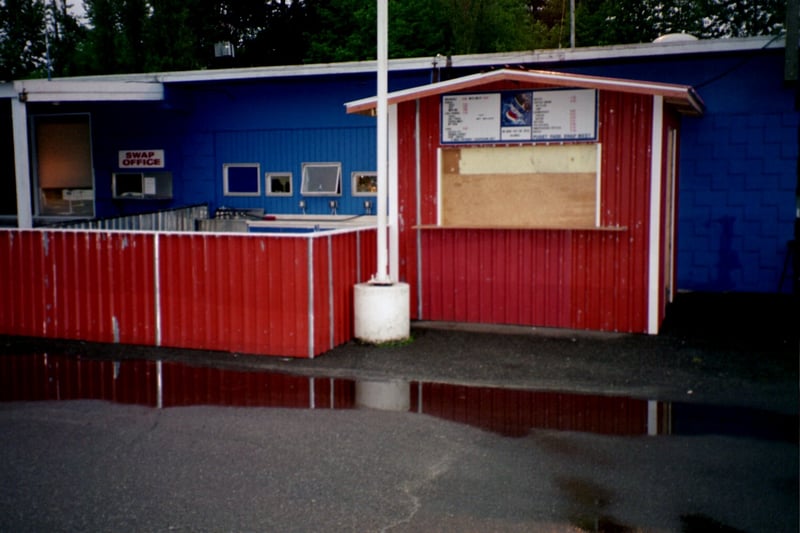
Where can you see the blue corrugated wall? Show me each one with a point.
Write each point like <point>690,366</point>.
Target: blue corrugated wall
<point>737,166</point>
<point>279,124</point>
<point>738,169</point>
<point>738,182</point>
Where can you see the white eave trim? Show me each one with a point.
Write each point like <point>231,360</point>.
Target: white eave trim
<point>483,60</point>
<point>529,58</point>
<point>621,51</point>
<point>674,92</point>
<point>77,90</point>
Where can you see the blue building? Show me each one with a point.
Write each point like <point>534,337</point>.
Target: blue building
<point>278,139</point>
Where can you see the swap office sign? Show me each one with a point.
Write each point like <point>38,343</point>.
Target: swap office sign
<point>141,159</point>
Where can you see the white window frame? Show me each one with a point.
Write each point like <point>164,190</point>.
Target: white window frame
<point>354,182</point>
<point>304,188</point>
<point>268,177</point>
<point>79,194</point>
<point>225,185</point>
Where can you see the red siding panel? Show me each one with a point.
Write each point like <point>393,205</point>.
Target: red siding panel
<point>24,279</point>
<point>223,292</point>
<point>322,273</point>
<point>585,279</point>
<point>353,258</point>
<point>94,286</point>
<point>497,276</point>
<point>240,293</point>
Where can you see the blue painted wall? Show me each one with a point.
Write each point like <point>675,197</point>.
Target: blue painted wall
<point>279,124</point>
<point>737,165</point>
<point>738,168</point>
<point>738,182</point>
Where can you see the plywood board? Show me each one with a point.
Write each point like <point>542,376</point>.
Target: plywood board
<point>532,186</point>
<point>519,200</point>
<point>537,159</point>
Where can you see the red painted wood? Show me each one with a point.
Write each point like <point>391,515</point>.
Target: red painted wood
<point>559,278</point>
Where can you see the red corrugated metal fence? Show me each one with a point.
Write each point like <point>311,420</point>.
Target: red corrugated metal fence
<point>278,295</point>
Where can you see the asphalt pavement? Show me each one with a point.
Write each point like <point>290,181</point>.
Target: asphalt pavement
<point>728,349</point>
<point>95,466</point>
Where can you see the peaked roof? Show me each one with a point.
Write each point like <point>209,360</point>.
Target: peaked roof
<point>683,97</point>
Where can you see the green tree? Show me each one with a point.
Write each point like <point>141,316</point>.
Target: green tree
<point>170,42</point>
<point>341,30</point>
<point>344,30</point>
<point>67,41</point>
<point>133,21</point>
<point>275,34</point>
<point>22,38</point>
<point>730,18</point>
<point>102,47</point>
<point>615,22</point>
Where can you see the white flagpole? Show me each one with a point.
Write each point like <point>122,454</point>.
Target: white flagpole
<point>382,276</point>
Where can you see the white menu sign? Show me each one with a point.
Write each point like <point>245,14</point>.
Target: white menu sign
<point>520,116</point>
<point>567,114</point>
<point>470,118</point>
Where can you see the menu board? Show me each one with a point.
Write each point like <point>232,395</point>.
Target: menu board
<point>520,116</point>
<point>470,117</point>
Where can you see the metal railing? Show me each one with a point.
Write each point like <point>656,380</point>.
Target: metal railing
<point>176,219</point>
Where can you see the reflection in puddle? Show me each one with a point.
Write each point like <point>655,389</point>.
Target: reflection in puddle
<point>510,412</point>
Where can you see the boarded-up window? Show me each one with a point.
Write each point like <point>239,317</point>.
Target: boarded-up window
<point>64,165</point>
<point>551,186</point>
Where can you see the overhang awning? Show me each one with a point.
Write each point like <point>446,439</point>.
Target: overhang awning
<point>89,91</point>
<point>682,97</point>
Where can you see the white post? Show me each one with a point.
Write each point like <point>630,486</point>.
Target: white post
<point>654,254</point>
<point>382,276</point>
<point>19,119</point>
<point>394,200</point>
<point>381,307</point>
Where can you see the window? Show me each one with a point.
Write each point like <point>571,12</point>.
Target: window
<point>242,179</point>
<point>63,165</point>
<point>322,179</point>
<point>149,184</point>
<point>539,186</point>
<point>279,184</point>
<point>365,183</point>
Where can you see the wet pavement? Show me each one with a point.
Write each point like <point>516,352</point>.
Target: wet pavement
<point>494,429</point>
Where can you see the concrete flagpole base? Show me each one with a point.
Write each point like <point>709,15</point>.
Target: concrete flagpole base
<point>382,312</point>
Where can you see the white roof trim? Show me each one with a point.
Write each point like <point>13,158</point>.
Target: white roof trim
<point>81,90</point>
<point>621,51</point>
<point>530,58</point>
<point>683,94</point>
<point>485,60</point>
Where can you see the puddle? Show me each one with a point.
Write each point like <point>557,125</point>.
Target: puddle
<point>699,523</point>
<point>510,412</point>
